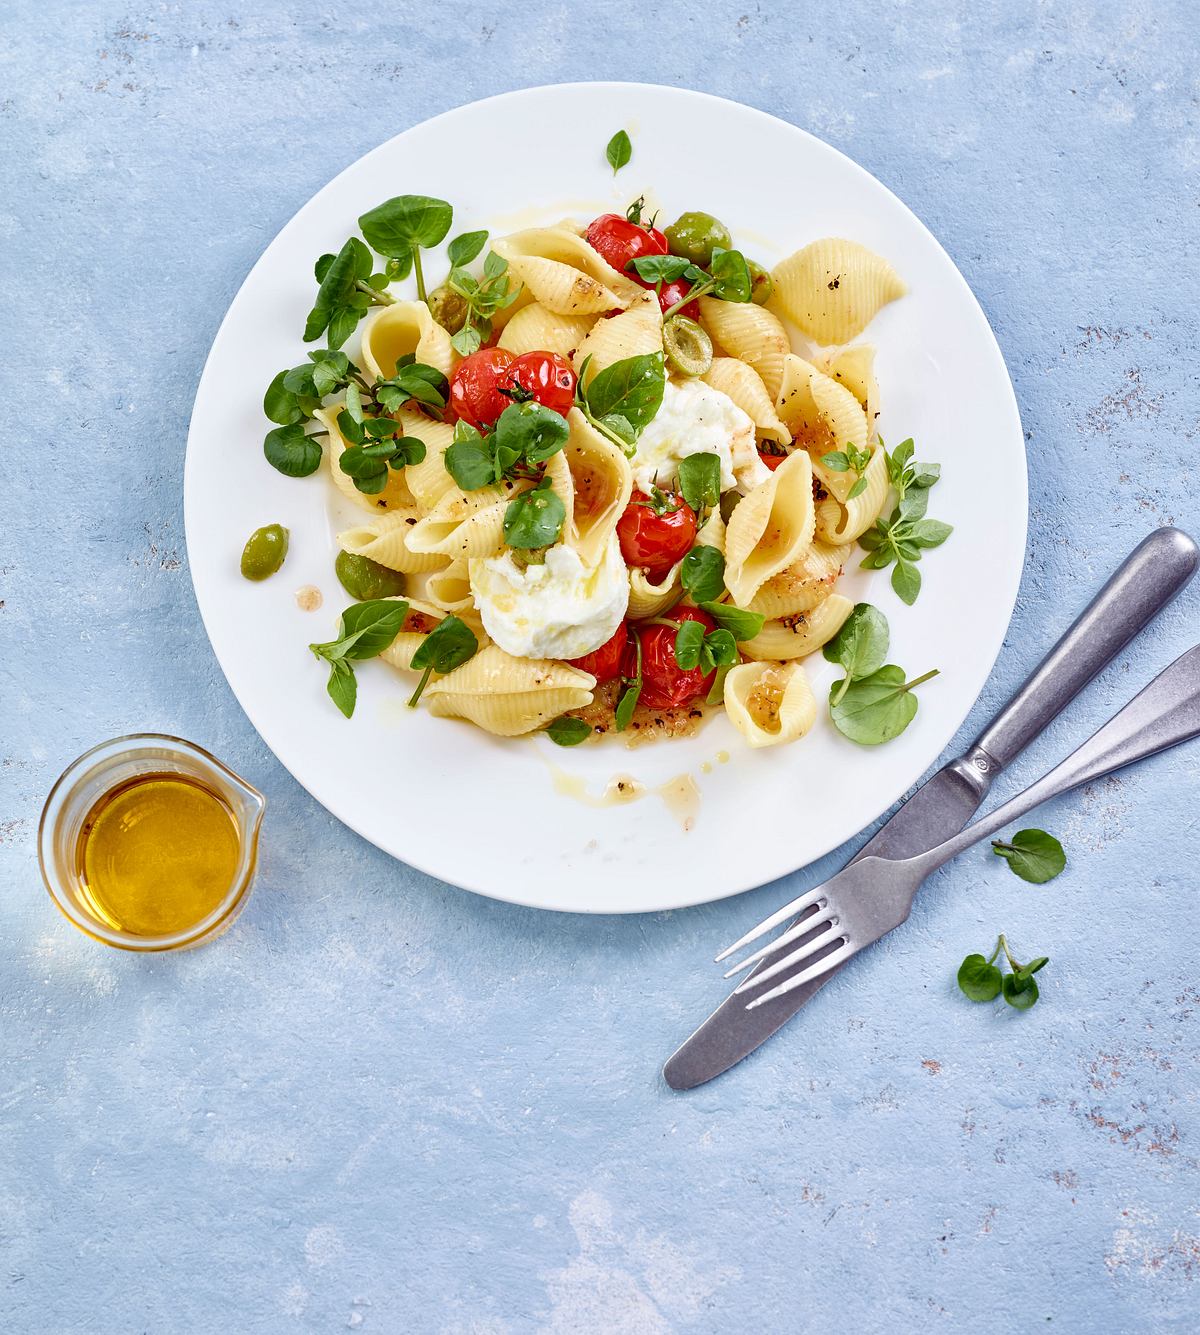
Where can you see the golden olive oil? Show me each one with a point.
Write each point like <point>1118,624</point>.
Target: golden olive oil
<point>157,854</point>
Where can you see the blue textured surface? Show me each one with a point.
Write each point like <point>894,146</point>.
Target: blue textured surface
<point>380,1103</point>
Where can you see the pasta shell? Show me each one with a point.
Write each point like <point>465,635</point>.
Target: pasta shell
<point>523,299</point>
<point>648,599</point>
<point>838,523</point>
<point>394,495</point>
<point>508,696</point>
<point>535,329</point>
<point>803,585</point>
<point>603,483</point>
<point>750,333</point>
<point>833,288</point>
<point>428,481</point>
<point>564,273</point>
<point>801,634</point>
<point>404,328</point>
<point>770,529</point>
<point>466,523</point>
<point>854,367</point>
<point>634,333</point>
<point>385,540</point>
<point>400,652</point>
<point>745,387</point>
<point>769,703</point>
<point>712,533</point>
<point>822,415</point>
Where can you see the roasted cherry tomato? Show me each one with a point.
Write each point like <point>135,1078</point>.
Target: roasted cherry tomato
<point>772,461</point>
<point>670,293</point>
<point>665,685</point>
<point>605,663</point>
<point>654,535</point>
<point>475,395</point>
<point>618,241</point>
<point>545,375</point>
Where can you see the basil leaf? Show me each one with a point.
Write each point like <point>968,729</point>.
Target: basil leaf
<point>366,630</point>
<point>1020,991</point>
<point>741,625</point>
<point>702,574</point>
<point>321,268</point>
<point>280,404</point>
<point>906,580</point>
<point>292,451</point>
<point>1033,855</point>
<point>398,225</point>
<point>534,518</point>
<point>450,644</point>
<point>862,643</point>
<point>876,708</point>
<point>631,388</point>
<point>623,714</point>
<point>659,268</point>
<point>463,249</point>
<point>700,480</point>
<point>619,151</point>
<point>529,430</point>
<point>979,980</point>
<point>689,640</point>
<point>342,686</point>
<point>731,275</point>
<point>568,731</point>
<point>621,427</point>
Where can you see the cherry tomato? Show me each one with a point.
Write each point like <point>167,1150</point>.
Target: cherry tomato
<point>665,685</point>
<point>545,375</point>
<point>772,461</point>
<point>656,541</point>
<point>605,663</point>
<point>475,396</point>
<point>618,241</point>
<point>676,291</point>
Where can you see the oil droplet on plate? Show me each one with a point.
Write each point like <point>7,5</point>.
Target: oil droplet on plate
<point>309,598</point>
<point>682,799</point>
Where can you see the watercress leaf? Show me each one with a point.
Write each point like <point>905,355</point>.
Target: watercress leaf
<point>1020,991</point>
<point>396,226</point>
<point>467,340</point>
<point>742,625</point>
<point>362,258</point>
<point>716,692</point>
<point>328,372</point>
<point>337,285</point>
<point>632,388</point>
<point>568,730</point>
<point>979,980</point>
<point>720,645</point>
<point>906,580</point>
<point>623,713</point>
<point>281,404</point>
<point>531,431</point>
<point>700,480</point>
<point>351,429</point>
<point>930,532</point>
<point>659,268</point>
<point>424,383</point>
<point>399,267</point>
<point>356,462</point>
<point>321,268</point>
<point>620,427</point>
<point>292,451</point>
<point>876,708</point>
<point>837,460</point>
<point>463,249</point>
<point>371,484</point>
<point>450,644</point>
<point>534,518</point>
<point>469,459</point>
<point>702,574</point>
<point>689,640</point>
<point>409,450</point>
<point>1033,855</point>
<point>342,686</point>
<point>342,323</point>
<point>731,275</point>
<point>862,643</point>
<point>619,151</point>
<point>299,380</point>
<point>378,281</point>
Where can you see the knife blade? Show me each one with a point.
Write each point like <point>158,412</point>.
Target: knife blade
<point>1150,577</point>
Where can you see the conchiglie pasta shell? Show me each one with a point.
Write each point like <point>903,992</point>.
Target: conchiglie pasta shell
<point>769,703</point>
<point>822,415</point>
<point>770,529</point>
<point>564,273</point>
<point>833,288</point>
<point>750,333</point>
<point>603,483</point>
<point>535,329</point>
<point>634,333</point>
<point>466,523</point>
<point>745,387</point>
<point>838,523</point>
<point>712,532</point>
<point>802,585</point>
<point>647,599</point>
<point>400,652</point>
<point>394,495</point>
<point>384,540</point>
<point>799,635</point>
<point>509,696</point>
<point>854,367</point>
<point>523,299</point>
<point>404,328</point>
<point>428,481</point>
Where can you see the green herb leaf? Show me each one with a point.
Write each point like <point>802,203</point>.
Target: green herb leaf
<point>280,404</point>
<point>568,731</point>
<point>689,640</point>
<point>741,625</point>
<point>450,644</point>
<point>930,532</point>
<point>659,268</point>
<point>467,340</point>
<point>730,275</point>
<point>530,431</point>
<point>367,629</point>
<point>469,459</point>
<point>720,648</point>
<point>1020,990</point>
<point>979,979</point>
<point>292,451</point>
<point>631,388</point>
<point>464,248</point>
<point>716,692</point>
<point>861,645</point>
<point>619,151</point>
<point>631,690</point>
<point>534,518</point>
<point>700,480</point>
<point>1033,855</point>
<point>342,686</point>
<point>875,708</point>
<point>397,226</point>
<point>702,574</point>
<point>906,581</point>
<point>337,286</point>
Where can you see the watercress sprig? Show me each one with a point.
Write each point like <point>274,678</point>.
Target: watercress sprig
<point>478,299</point>
<point>902,537</point>
<point>699,478</point>
<point>347,290</point>
<point>535,518</point>
<point>366,630</point>
<point>631,689</point>
<point>621,400</point>
<point>1033,855</point>
<point>727,276</point>
<point>525,436</point>
<point>400,228</point>
<point>847,460</point>
<point>980,979</point>
<point>447,646</point>
<point>376,445</point>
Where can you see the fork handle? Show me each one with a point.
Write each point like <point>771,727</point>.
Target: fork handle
<point>1151,576</point>
<point>1162,715</point>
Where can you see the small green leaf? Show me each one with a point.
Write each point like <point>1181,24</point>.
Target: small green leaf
<point>702,574</point>
<point>720,648</point>
<point>450,644</point>
<point>292,451</point>
<point>367,628</point>
<point>836,460</point>
<point>619,151</point>
<point>568,731</point>
<point>857,490</point>
<point>875,708</point>
<point>280,404</point>
<point>861,645</point>
<point>398,225</point>
<point>659,268</point>
<point>742,625</point>
<point>530,431</point>
<point>463,249</point>
<point>534,518</point>
<point>1020,990</point>
<point>689,640</point>
<point>631,388</point>
<point>731,275</point>
<point>469,458</point>
<point>700,480</point>
<point>342,686</point>
<point>906,581</point>
<point>623,714</point>
<point>930,532</point>
<point>1033,855</point>
<point>979,980</point>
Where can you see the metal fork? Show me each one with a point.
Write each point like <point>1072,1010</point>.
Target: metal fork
<point>872,896</point>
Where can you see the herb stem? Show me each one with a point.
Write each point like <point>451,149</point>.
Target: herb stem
<point>925,676</point>
<point>698,291</point>
<point>999,944</point>
<point>420,277</point>
<point>378,298</point>
<point>416,695</point>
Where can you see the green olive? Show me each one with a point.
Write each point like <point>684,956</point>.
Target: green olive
<point>761,284</point>
<point>448,309</point>
<point>689,349</point>
<point>264,551</point>
<point>696,235</point>
<point>365,579</point>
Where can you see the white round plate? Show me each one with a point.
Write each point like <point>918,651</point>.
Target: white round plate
<point>505,818</point>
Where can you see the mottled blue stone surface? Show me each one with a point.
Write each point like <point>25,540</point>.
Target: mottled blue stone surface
<point>383,1104</point>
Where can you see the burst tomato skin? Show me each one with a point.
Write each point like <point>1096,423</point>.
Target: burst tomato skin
<point>617,240</point>
<point>653,541</point>
<point>475,396</point>
<point>676,291</point>
<point>605,663</point>
<point>772,461</point>
<point>545,375</point>
<point>665,685</point>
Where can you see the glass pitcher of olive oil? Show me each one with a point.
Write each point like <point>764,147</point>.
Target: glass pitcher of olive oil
<point>149,843</point>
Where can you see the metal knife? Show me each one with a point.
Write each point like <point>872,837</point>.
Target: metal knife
<point>1158,568</point>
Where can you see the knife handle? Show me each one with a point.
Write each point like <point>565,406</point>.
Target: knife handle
<point>1153,574</point>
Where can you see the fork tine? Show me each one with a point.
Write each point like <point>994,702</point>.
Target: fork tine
<point>833,932</point>
<point>788,911</point>
<point>805,975</point>
<point>811,920</point>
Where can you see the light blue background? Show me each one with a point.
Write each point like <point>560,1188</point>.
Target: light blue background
<point>383,1104</point>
